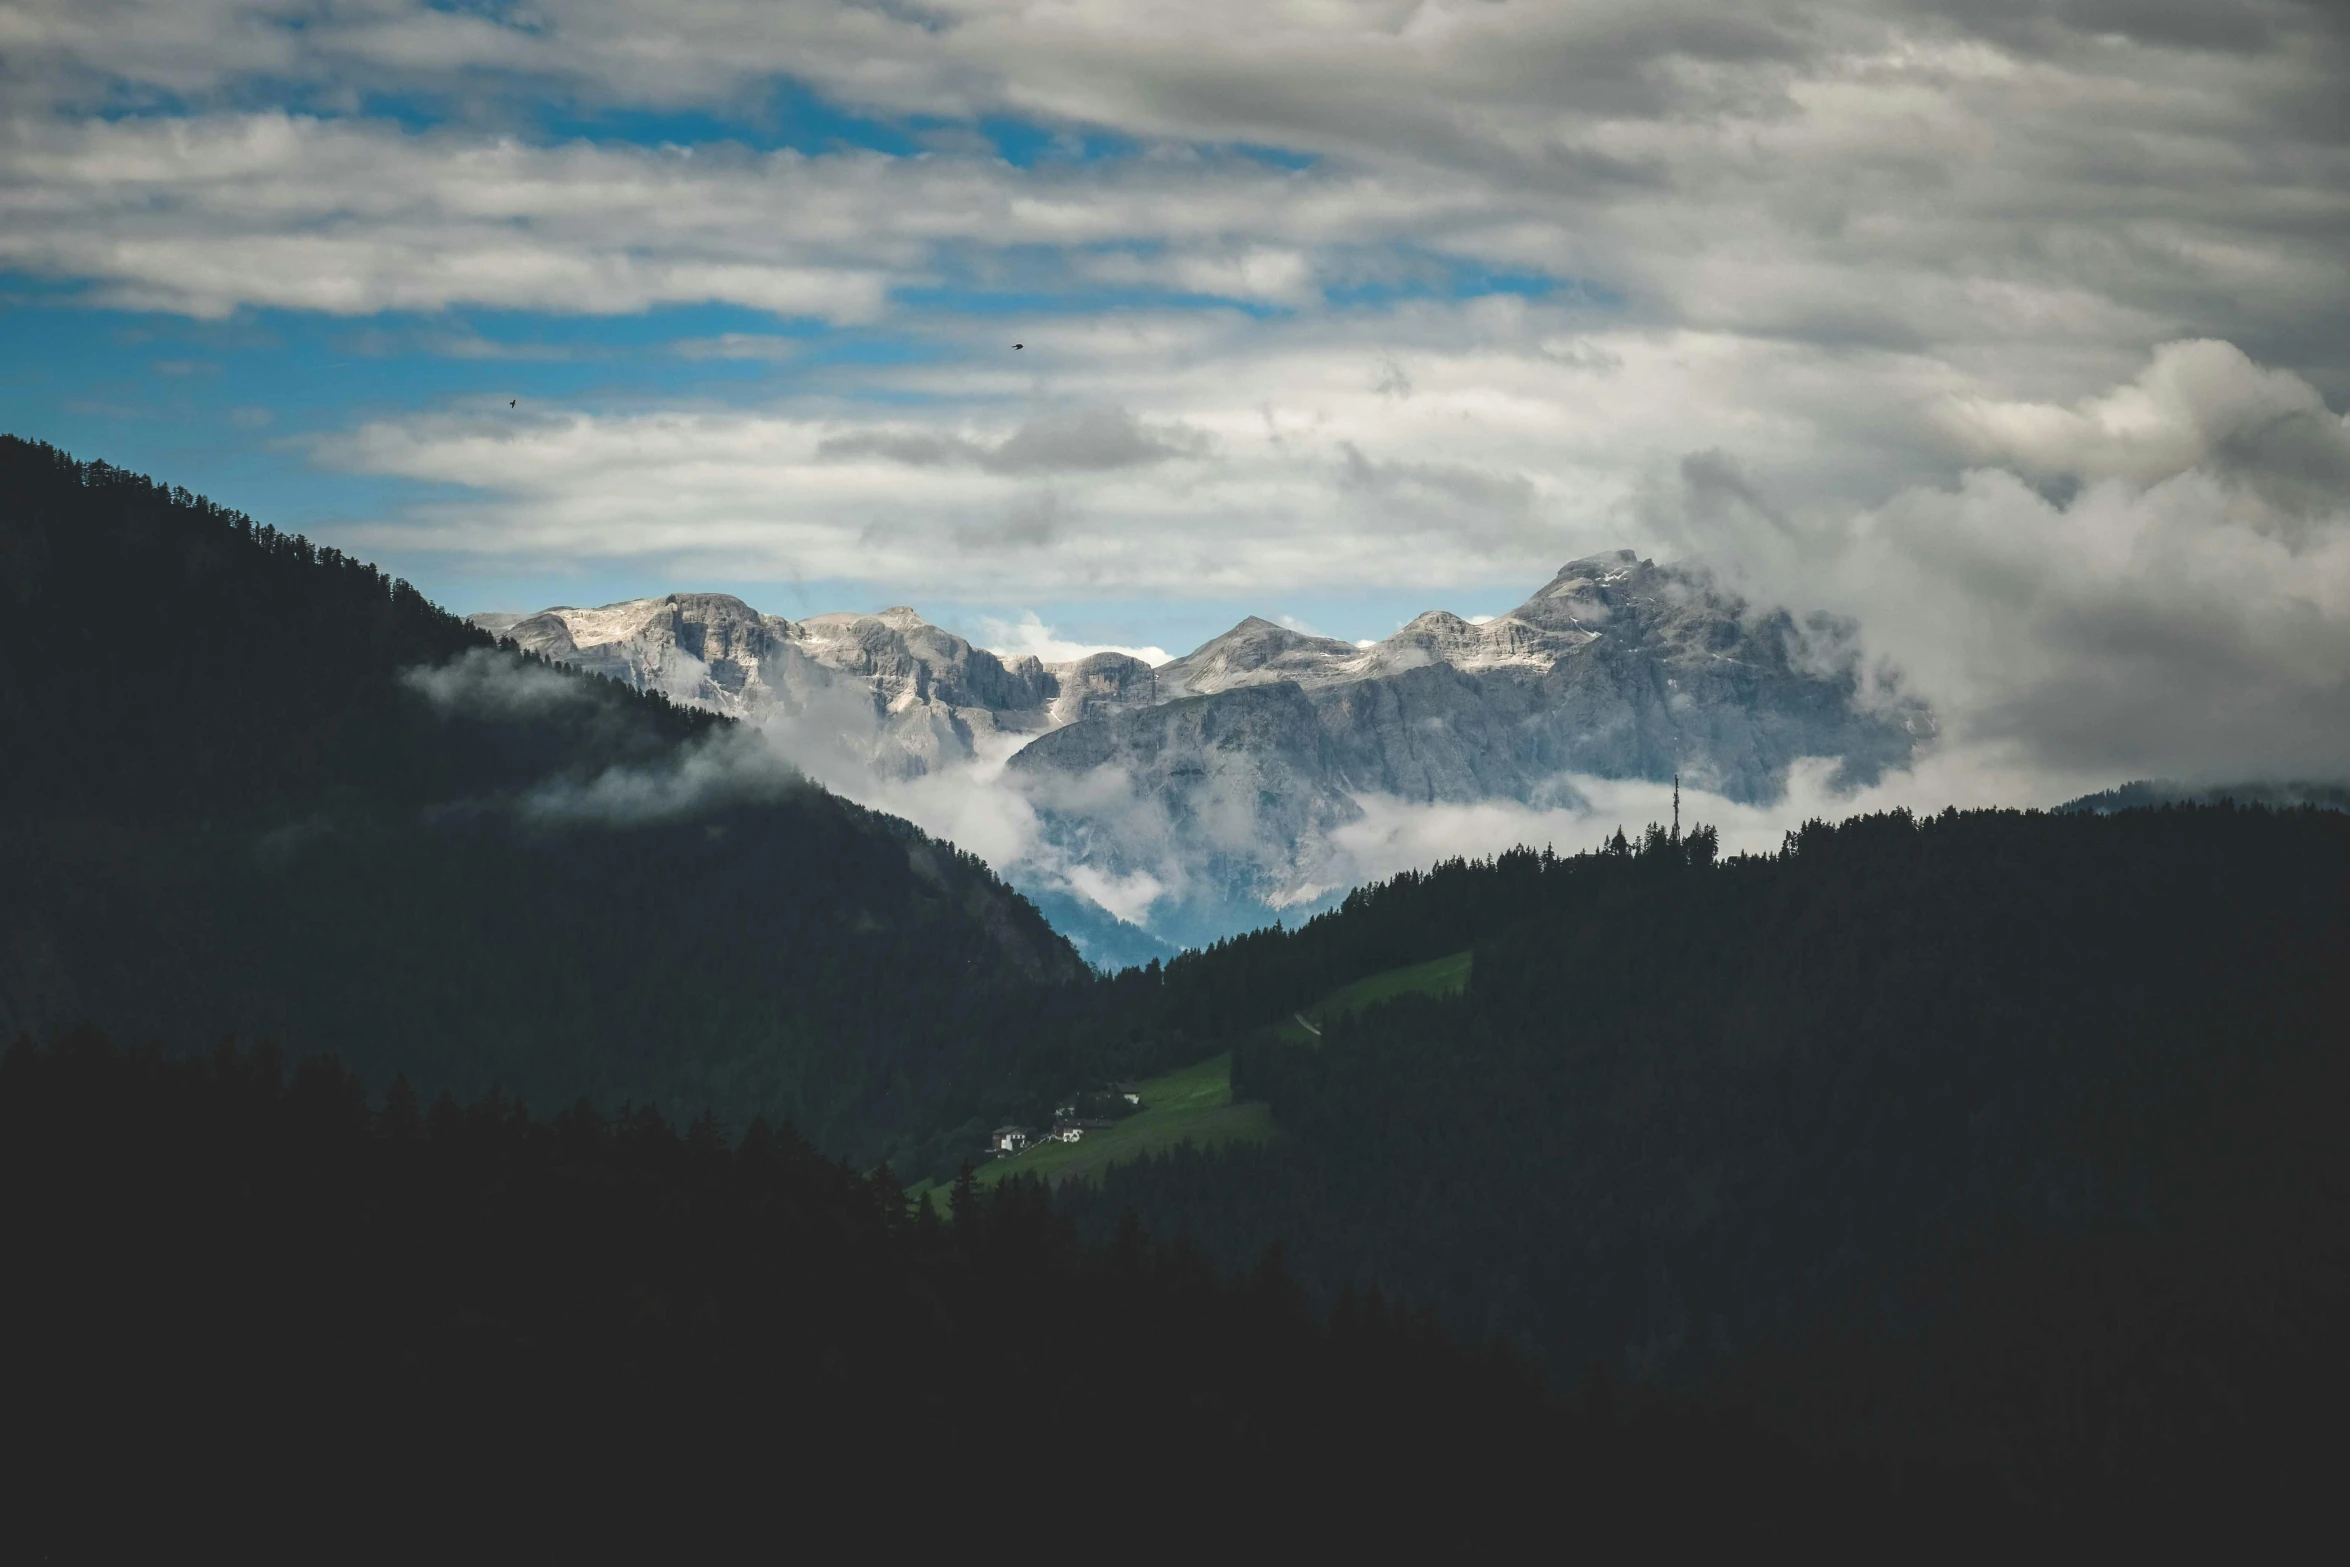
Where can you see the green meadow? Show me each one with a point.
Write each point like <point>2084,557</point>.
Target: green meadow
<point>1194,1104</point>
<point>1445,976</point>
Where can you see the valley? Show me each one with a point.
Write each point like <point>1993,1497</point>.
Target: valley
<point>447,963</point>
<point>1194,1105</point>
<point>1363,778</point>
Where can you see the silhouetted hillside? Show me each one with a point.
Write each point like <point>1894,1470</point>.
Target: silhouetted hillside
<point>172,657</point>
<point>257,789</point>
<point>237,1300</point>
<point>2147,792</point>
<point>1946,1098</point>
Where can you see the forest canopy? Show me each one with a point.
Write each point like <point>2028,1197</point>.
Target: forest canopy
<point>269,793</point>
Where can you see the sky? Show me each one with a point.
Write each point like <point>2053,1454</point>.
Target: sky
<point>2017,334</point>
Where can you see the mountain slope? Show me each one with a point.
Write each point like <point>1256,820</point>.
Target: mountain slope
<point>2162,791</point>
<point>901,695</point>
<point>442,858</point>
<point>169,657</point>
<point>1618,668</point>
<point>216,1273</point>
<point>1213,785</point>
<point>1688,1109</point>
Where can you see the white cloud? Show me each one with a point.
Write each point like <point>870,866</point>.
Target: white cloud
<point>2196,404</point>
<point>1030,637</point>
<point>2183,611</point>
<point>739,345</point>
<point>480,681</point>
<point>1394,835</point>
<point>1245,459</point>
<point>1127,897</point>
<point>2008,331</point>
<point>350,217</point>
<point>1832,171</point>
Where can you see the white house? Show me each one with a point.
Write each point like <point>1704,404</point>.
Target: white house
<point>1007,1140</point>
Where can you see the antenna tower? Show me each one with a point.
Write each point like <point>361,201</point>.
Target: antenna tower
<point>1676,807</point>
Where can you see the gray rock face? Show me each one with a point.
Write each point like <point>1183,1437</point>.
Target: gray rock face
<point>1101,684</point>
<point>1617,669</point>
<point>1220,776</point>
<point>902,694</point>
<point>1255,653</point>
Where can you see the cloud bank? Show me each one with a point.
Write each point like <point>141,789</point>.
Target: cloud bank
<point>2156,582</point>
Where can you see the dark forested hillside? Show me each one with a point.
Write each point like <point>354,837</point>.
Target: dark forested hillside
<point>171,657</point>
<point>1166,1014</point>
<point>1990,1161</point>
<point>254,788</point>
<point>1981,1090</point>
<point>236,1299</point>
<point>2147,792</point>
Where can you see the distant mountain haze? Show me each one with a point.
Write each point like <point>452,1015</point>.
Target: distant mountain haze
<point>1200,797</point>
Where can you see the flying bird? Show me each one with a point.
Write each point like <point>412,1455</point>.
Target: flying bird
<point>1019,345</point>
<point>510,402</point>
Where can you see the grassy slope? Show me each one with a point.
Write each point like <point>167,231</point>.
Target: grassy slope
<point>1194,1104</point>
<point>1446,976</point>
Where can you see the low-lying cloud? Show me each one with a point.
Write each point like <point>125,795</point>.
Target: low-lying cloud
<point>729,767</point>
<point>1030,637</point>
<point>2159,586</point>
<point>1396,835</point>
<point>481,682</point>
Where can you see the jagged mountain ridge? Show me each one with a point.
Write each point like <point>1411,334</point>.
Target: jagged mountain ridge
<point>1220,776</point>
<point>1258,652</point>
<point>1618,668</point>
<point>931,697</point>
<point>715,651</point>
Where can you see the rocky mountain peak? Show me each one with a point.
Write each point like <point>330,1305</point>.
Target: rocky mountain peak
<point>1102,683</point>
<point>704,648</point>
<point>1617,668</point>
<point>926,693</point>
<point>1442,621</point>
<point>1255,652</point>
<point>1617,571</point>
